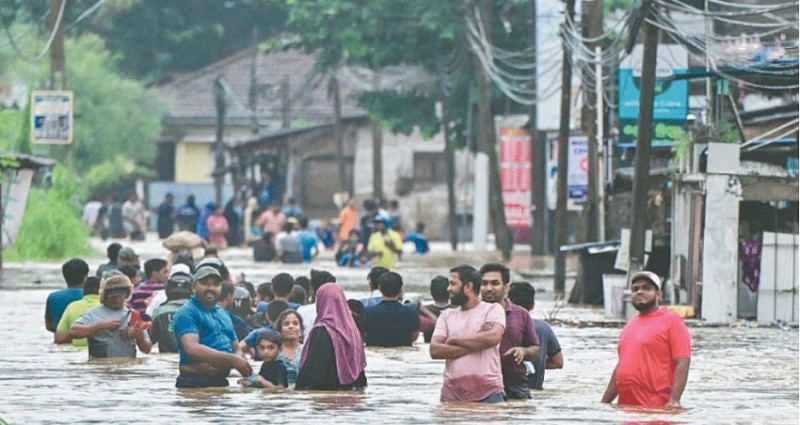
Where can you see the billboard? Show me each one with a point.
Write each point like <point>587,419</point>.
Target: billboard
<point>51,117</point>
<point>671,96</point>
<point>515,172</point>
<point>577,172</point>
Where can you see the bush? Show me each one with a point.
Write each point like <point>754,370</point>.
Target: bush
<point>51,228</point>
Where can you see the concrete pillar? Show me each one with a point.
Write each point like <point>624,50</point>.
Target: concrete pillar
<point>721,236</point>
<point>480,202</point>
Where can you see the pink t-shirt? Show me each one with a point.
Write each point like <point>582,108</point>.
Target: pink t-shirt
<point>477,375</point>
<point>647,346</point>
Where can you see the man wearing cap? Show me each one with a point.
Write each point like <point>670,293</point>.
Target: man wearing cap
<point>127,257</point>
<point>112,329</point>
<point>654,351</point>
<point>206,339</point>
<point>178,290</point>
<point>384,244</point>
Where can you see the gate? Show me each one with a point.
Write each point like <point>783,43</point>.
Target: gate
<point>778,285</point>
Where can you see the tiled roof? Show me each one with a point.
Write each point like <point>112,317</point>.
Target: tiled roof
<point>190,96</point>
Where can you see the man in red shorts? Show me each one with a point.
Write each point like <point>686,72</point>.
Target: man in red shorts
<point>654,351</point>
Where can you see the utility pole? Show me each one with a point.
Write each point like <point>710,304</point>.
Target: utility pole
<point>58,73</point>
<point>486,143</point>
<point>58,66</point>
<point>377,160</point>
<point>592,28</point>
<point>252,96</point>
<point>641,174</point>
<point>286,104</point>
<point>219,148</point>
<point>449,159</point>
<point>339,135</point>
<point>563,142</point>
<point>538,153</point>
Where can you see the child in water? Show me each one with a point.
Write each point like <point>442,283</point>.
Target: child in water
<point>273,373</point>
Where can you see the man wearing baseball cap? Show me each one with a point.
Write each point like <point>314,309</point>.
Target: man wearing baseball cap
<point>654,350</point>
<point>178,290</point>
<point>112,329</point>
<point>385,245</point>
<point>207,342</point>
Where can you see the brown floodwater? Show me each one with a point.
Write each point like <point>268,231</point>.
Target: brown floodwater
<point>738,375</point>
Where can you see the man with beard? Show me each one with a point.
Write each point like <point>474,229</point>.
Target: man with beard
<point>207,342</point>
<point>654,350</point>
<point>468,337</point>
<point>519,341</point>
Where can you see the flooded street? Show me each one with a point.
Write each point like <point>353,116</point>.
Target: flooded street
<point>738,375</point>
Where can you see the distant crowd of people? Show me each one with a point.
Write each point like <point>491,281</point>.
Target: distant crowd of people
<point>276,232</point>
<point>308,335</point>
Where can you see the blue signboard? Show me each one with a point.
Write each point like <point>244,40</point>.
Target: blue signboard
<point>671,96</point>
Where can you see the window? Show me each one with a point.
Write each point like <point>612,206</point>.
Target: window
<point>429,168</point>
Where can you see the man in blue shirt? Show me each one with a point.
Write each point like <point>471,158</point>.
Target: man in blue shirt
<point>308,240</point>
<point>523,294</point>
<point>419,239</point>
<point>206,339</point>
<point>389,323</point>
<point>74,272</point>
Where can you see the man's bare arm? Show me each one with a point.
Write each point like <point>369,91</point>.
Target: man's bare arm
<point>679,380</point>
<point>611,390</point>
<point>555,362</point>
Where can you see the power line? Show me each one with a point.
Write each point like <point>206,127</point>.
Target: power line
<point>50,39</point>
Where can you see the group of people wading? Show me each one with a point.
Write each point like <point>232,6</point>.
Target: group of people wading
<point>309,336</point>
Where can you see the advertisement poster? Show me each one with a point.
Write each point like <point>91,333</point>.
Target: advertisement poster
<point>51,117</point>
<point>515,173</point>
<point>577,172</point>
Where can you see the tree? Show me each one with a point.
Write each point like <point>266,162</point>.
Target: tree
<point>379,33</point>
<point>113,115</point>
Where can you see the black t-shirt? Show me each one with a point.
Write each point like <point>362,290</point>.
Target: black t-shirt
<point>263,251</point>
<point>275,373</point>
<point>390,324</point>
<point>319,371</point>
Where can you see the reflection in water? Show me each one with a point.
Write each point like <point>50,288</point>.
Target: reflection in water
<point>44,383</point>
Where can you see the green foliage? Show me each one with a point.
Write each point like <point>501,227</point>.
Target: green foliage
<point>154,38</point>
<point>113,176</point>
<point>113,115</point>
<point>401,113</point>
<point>610,6</point>
<point>51,229</point>
<point>10,122</point>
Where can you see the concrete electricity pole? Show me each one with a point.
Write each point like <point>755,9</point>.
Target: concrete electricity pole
<point>486,143</point>
<point>58,73</point>
<point>563,142</point>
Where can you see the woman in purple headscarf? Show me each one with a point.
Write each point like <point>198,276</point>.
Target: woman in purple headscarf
<point>333,356</point>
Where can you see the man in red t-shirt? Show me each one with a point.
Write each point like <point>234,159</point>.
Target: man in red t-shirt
<point>654,351</point>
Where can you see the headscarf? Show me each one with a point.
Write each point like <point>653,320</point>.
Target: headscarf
<point>334,315</point>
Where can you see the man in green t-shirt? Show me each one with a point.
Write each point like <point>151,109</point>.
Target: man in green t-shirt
<point>75,309</point>
<point>385,245</point>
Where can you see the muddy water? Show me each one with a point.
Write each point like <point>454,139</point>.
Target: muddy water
<point>738,375</point>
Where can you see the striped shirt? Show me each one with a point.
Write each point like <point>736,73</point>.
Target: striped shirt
<point>141,294</point>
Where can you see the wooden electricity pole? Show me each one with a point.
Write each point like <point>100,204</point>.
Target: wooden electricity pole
<point>641,173</point>
<point>592,28</point>
<point>563,143</point>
